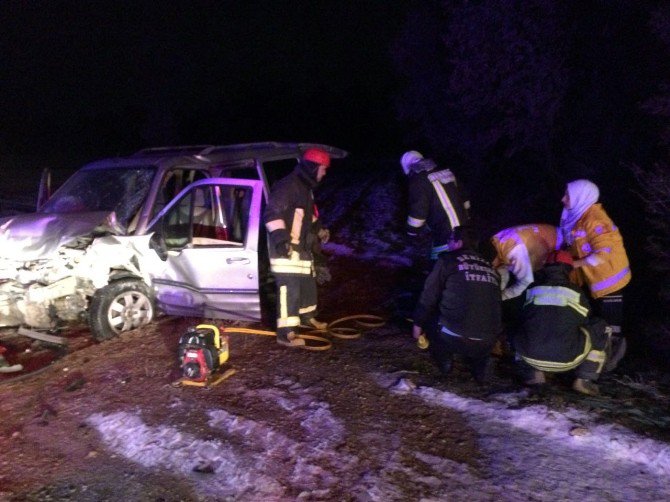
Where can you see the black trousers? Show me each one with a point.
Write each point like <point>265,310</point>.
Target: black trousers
<point>296,301</point>
<point>610,308</point>
<point>442,346</point>
<point>592,365</point>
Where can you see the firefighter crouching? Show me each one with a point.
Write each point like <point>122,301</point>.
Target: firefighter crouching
<point>556,333</point>
<point>289,218</point>
<point>459,308</point>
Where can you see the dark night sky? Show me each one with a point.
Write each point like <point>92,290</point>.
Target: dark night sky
<point>105,77</point>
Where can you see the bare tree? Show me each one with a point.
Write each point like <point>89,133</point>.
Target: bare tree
<point>483,77</point>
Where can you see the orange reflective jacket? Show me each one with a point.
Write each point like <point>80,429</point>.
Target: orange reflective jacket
<point>598,242</point>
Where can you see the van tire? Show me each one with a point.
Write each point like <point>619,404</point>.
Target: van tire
<point>120,306</point>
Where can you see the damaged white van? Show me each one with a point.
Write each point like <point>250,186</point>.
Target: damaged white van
<point>177,229</point>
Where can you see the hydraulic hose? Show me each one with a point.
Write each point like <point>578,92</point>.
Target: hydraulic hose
<point>315,336</point>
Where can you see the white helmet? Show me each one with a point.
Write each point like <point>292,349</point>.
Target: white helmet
<point>408,159</point>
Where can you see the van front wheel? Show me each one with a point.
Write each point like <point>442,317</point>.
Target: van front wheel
<point>120,306</point>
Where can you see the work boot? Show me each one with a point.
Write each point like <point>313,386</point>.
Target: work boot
<point>482,370</point>
<point>584,386</point>
<point>446,365</point>
<point>312,322</point>
<point>616,349</point>
<point>536,379</point>
<point>290,340</point>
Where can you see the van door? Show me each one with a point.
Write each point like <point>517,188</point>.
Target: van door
<point>208,237</point>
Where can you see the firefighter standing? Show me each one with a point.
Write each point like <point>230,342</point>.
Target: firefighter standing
<point>556,333</point>
<point>289,218</point>
<point>459,308</point>
<point>435,200</point>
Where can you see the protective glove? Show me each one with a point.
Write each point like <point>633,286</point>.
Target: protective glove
<point>283,248</point>
<point>280,240</point>
<point>323,235</point>
<point>322,274</point>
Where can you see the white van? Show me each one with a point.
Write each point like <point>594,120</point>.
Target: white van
<point>177,229</point>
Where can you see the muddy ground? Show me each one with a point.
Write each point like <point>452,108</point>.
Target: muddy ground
<point>49,451</point>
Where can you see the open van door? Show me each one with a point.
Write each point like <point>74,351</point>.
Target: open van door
<point>208,237</point>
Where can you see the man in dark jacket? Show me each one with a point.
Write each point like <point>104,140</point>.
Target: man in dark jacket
<point>435,200</point>
<point>459,309</point>
<point>289,218</point>
<point>556,333</point>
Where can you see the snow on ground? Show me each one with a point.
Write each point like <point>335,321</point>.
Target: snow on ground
<point>527,453</point>
<point>564,454</point>
<point>250,460</point>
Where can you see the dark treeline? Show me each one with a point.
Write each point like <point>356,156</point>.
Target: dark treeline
<point>521,96</point>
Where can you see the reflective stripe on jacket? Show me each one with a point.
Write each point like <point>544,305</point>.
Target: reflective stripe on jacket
<point>436,200</point>
<point>550,337</point>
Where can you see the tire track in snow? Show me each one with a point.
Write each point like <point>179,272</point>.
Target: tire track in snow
<point>532,454</point>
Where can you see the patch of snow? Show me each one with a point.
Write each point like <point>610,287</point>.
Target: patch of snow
<point>250,460</point>
<point>531,450</point>
<point>170,449</point>
<point>530,453</point>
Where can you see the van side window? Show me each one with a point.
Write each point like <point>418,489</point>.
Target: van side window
<point>221,215</point>
<point>208,215</point>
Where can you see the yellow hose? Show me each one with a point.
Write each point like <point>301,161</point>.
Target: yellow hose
<point>347,333</point>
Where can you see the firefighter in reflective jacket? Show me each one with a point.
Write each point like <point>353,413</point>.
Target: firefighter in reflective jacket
<point>556,333</point>
<point>289,218</point>
<point>435,200</point>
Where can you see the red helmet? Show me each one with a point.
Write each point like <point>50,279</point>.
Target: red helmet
<point>317,156</point>
<point>560,256</point>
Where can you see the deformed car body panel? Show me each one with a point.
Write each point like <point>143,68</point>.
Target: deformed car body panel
<point>35,236</point>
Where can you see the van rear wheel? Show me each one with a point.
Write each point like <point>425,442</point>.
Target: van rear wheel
<point>120,306</point>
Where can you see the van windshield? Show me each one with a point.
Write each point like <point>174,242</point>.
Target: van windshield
<point>122,190</point>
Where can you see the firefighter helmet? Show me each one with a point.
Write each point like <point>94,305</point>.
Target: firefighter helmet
<point>317,156</point>
<point>408,159</point>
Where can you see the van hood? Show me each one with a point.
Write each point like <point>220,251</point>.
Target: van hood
<point>34,236</point>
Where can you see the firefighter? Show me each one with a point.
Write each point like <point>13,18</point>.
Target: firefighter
<point>459,307</point>
<point>435,200</point>
<point>557,333</point>
<point>600,258</point>
<point>289,219</point>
